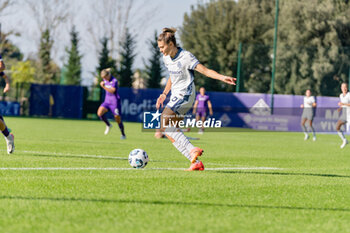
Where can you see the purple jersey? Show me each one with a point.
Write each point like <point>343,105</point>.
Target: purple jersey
<point>202,102</point>
<point>111,98</point>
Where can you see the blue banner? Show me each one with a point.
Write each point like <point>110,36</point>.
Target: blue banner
<point>8,108</point>
<point>56,101</point>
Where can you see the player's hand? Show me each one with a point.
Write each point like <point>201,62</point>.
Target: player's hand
<point>340,104</point>
<point>302,106</point>
<point>228,80</point>
<point>7,88</point>
<point>102,84</point>
<point>211,113</point>
<point>160,101</point>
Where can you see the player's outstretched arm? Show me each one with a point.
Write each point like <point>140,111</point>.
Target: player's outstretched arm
<point>215,75</point>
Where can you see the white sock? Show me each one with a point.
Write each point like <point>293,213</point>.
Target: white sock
<point>341,135</point>
<point>180,140</point>
<point>183,150</point>
<point>313,132</point>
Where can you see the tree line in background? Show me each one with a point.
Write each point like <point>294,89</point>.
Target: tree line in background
<point>45,71</point>
<point>313,48</point>
<point>313,43</point>
<point>108,27</point>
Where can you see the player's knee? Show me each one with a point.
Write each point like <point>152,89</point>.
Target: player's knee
<point>118,119</point>
<point>338,126</point>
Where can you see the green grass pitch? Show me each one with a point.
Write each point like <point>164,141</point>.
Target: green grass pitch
<point>305,186</point>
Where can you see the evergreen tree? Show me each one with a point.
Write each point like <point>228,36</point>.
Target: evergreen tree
<point>48,71</point>
<point>105,61</point>
<point>127,59</point>
<point>154,68</point>
<point>72,74</point>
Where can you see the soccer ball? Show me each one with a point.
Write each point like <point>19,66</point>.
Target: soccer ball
<point>138,158</point>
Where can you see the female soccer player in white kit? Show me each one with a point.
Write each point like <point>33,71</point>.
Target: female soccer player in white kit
<point>345,112</point>
<point>308,114</point>
<point>181,65</point>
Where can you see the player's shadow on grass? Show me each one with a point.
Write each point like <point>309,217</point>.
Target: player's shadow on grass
<point>176,203</point>
<point>284,174</point>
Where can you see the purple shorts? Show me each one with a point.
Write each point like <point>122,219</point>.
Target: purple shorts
<point>201,113</point>
<point>114,108</point>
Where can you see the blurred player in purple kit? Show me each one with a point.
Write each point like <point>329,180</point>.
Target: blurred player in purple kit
<point>201,106</point>
<point>112,101</point>
<point>9,138</point>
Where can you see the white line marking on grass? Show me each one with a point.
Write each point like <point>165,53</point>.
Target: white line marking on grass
<point>98,156</point>
<point>61,168</point>
<point>126,158</point>
<point>242,168</point>
<point>76,155</point>
<point>121,168</point>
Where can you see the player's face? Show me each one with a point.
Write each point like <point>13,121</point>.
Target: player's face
<point>106,77</point>
<point>344,88</point>
<point>165,48</point>
<point>308,93</point>
<point>202,91</point>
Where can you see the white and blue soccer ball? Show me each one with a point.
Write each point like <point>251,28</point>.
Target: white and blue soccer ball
<point>138,158</point>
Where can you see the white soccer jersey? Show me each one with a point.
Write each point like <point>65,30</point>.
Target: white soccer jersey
<point>181,71</point>
<point>308,101</point>
<point>345,100</point>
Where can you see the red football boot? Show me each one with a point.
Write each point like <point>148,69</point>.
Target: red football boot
<point>195,153</point>
<point>197,166</point>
